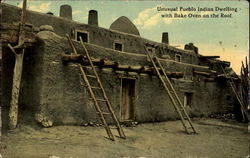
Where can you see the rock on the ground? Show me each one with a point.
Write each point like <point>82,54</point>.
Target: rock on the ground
<point>43,120</point>
<point>91,123</point>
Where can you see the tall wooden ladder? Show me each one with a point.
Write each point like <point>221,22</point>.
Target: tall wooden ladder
<point>238,96</point>
<point>185,119</point>
<point>103,101</point>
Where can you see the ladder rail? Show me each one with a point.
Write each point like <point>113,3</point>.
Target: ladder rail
<point>71,45</point>
<point>116,121</point>
<point>240,100</point>
<point>97,105</point>
<point>169,93</point>
<point>175,94</point>
<point>233,86</point>
<point>91,93</point>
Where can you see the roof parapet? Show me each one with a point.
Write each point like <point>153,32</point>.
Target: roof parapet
<point>192,47</point>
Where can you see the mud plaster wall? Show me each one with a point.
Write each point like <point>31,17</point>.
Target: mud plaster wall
<point>57,93</point>
<point>30,85</point>
<point>53,89</point>
<point>62,26</point>
<point>7,74</point>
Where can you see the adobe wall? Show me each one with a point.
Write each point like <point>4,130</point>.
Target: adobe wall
<point>54,90</point>
<point>63,26</point>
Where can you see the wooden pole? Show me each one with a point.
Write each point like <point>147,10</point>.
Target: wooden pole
<point>244,87</point>
<point>237,94</point>
<point>115,65</point>
<point>17,74</point>
<point>116,121</point>
<point>177,97</point>
<point>246,66</point>
<point>167,90</point>
<point>202,73</point>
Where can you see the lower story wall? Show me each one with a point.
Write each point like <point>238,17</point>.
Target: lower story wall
<point>64,99</point>
<point>56,91</point>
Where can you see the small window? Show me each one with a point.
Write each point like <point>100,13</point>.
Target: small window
<point>118,46</point>
<point>188,99</point>
<point>83,35</point>
<point>178,57</point>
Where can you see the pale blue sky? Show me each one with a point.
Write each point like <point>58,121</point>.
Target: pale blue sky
<point>227,37</point>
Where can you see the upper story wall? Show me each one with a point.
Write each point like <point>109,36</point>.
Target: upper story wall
<point>100,36</point>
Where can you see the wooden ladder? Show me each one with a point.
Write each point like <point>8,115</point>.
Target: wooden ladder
<point>98,102</point>
<point>172,93</point>
<point>238,96</point>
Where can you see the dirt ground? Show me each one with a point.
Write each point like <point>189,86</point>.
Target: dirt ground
<point>216,139</point>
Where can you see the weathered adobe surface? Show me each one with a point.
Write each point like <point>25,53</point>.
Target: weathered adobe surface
<point>132,43</point>
<point>125,58</point>
<point>9,34</point>
<point>54,90</point>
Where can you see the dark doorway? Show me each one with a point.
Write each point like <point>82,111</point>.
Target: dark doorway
<point>188,99</point>
<point>178,57</point>
<point>127,101</point>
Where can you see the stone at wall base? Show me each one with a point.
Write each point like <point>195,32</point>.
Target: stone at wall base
<point>43,120</point>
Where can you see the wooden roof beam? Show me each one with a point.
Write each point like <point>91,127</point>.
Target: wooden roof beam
<point>209,57</point>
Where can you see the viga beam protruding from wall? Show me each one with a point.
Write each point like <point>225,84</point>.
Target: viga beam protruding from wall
<point>115,65</point>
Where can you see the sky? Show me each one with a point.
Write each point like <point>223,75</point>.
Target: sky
<point>226,37</point>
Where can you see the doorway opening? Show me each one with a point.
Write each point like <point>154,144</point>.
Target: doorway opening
<point>188,99</point>
<point>127,99</point>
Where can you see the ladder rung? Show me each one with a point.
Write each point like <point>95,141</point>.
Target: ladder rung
<point>93,97</point>
<point>170,89</point>
<point>84,85</point>
<point>104,113</point>
<point>89,66</point>
<point>99,99</point>
<point>95,87</point>
<point>91,76</point>
<point>113,127</point>
<point>90,86</point>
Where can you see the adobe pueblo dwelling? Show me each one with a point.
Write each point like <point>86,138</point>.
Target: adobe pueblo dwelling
<point>53,90</point>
